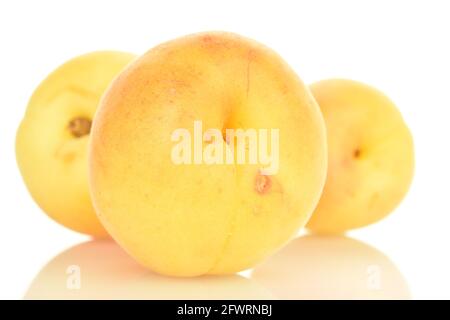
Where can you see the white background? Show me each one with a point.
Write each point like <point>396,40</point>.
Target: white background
<point>401,47</point>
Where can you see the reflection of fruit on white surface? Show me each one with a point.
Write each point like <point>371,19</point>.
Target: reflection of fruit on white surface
<point>51,144</point>
<point>370,156</point>
<point>188,220</point>
<point>331,267</point>
<point>102,270</point>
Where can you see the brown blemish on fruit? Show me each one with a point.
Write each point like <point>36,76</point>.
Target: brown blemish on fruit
<point>80,126</point>
<point>262,183</point>
<point>207,38</point>
<point>356,153</point>
<point>226,138</point>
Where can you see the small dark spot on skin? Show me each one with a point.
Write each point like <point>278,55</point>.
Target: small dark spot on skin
<point>207,38</point>
<point>80,126</point>
<point>356,153</point>
<point>262,183</point>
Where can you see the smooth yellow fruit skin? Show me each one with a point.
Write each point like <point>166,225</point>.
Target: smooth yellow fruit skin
<point>52,161</point>
<point>370,156</point>
<point>189,220</point>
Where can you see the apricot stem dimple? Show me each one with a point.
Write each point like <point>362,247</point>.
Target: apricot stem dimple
<point>80,126</point>
<point>356,153</point>
<point>262,184</point>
